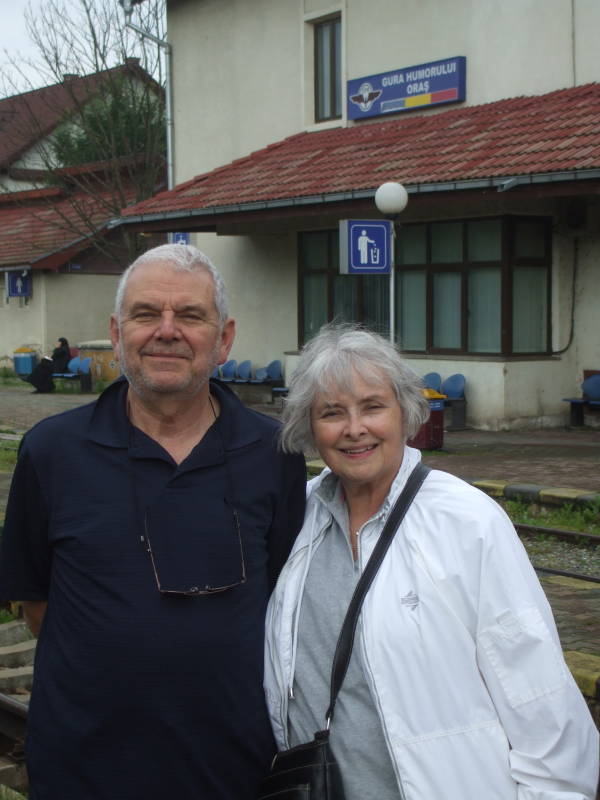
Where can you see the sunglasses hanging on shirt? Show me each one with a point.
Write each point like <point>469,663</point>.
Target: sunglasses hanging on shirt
<point>193,538</point>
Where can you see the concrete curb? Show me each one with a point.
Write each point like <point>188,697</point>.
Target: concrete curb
<point>528,492</point>
<point>531,493</point>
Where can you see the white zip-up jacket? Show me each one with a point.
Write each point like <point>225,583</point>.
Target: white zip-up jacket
<point>461,653</point>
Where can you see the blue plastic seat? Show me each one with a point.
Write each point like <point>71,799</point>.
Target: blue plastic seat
<point>454,389</point>
<point>274,371</point>
<point>84,365</point>
<point>73,368</point>
<point>215,373</point>
<point>433,380</point>
<point>244,372</point>
<point>73,365</point>
<point>591,387</point>
<point>260,376</point>
<point>228,370</point>
<point>454,386</point>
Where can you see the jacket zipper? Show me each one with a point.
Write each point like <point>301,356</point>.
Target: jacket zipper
<point>286,686</point>
<point>373,687</point>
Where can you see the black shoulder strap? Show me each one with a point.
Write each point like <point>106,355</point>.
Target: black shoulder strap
<point>346,638</point>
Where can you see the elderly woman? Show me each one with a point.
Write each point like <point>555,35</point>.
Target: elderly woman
<point>456,687</point>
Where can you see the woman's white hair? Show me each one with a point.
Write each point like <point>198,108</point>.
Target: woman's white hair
<point>180,257</point>
<point>329,362</point>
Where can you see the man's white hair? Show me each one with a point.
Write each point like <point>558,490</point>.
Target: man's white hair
<point>180,257</point>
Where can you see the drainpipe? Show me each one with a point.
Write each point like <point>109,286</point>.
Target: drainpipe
<point>128,10</point>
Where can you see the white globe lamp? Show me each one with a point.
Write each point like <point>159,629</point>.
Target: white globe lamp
<point>391,198</point>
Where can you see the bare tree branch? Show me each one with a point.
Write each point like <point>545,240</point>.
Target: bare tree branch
<point>114,119</point>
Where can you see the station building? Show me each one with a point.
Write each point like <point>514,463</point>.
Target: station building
<point>288,114</point>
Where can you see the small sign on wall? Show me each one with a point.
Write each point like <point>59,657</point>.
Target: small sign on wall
<point>19,283</point>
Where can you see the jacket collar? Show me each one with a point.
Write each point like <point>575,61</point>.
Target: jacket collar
<point>321,494</point>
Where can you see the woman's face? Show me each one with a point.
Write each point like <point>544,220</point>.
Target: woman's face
<point>360,433</point>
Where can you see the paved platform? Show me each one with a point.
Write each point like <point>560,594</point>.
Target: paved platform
<point>552,464</point>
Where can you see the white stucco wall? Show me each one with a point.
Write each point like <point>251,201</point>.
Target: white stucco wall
<point>513,48</point>
<point>243,69</point>
<point>21,322</point>
<point>75,306</point>
<point>79,306</point>
<point>260,276</point>
<point>587,318</point>
<point>236,79</point>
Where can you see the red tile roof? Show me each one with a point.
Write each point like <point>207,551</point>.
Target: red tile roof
<point>555,132</point>
<point>27,118</point>
<point>41,227</point>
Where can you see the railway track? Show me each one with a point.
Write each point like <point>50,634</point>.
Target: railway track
<point>13,720</point>
<point>573,537</point>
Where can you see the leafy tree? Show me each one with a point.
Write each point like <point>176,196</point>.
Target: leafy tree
<point>118,122</point>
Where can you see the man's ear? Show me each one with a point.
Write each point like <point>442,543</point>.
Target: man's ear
<point>115,336</point>
<point>227,337</point>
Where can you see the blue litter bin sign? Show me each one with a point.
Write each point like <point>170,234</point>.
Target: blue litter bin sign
<point>181,238</point>
<point>365,247</point>
<point>19,283</point>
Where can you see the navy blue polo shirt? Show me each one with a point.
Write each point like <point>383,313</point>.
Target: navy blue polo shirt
<point>138,694</point>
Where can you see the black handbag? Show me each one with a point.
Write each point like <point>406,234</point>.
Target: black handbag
<point>309,771</point>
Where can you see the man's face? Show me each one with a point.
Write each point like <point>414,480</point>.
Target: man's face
<point>168,338</point>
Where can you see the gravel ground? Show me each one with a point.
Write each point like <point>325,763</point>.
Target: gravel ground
<point>557,554</point>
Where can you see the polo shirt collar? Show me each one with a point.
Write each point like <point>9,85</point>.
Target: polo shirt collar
<point>110,426</point>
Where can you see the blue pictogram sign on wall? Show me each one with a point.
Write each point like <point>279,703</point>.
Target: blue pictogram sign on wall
<point>19,283</point>
<point>181,238</point>
<point>365,246</point>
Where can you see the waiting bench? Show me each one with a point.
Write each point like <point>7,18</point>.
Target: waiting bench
<point>77,368</point>
<point>589,400</point>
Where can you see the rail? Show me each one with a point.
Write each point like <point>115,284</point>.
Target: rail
<point>13,717</point>
<point>575,537</point>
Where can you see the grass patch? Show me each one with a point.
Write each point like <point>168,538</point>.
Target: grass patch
<point>10,794</point>
<point>585,519</point>
<point>10,380</point>
<point>6,616</point>
<point>8,454</point>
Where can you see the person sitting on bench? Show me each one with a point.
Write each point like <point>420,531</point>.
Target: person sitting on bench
<point>41,377</point>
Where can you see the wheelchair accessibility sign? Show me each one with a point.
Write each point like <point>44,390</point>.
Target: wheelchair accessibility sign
<point>365,247</point>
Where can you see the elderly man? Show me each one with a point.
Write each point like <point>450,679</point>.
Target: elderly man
<point>143,534</point>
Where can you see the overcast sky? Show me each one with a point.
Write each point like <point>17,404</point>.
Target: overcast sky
<point>13,36</point>
<point>14,40</point>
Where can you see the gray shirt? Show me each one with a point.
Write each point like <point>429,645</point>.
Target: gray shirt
<point>357,738</point>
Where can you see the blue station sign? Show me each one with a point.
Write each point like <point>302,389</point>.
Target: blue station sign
<point>19,283</point>
<point>405,89</point>
<point>365,247</point>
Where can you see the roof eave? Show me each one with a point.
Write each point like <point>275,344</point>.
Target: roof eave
<point>54,259</point>
<point>500,184</point>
